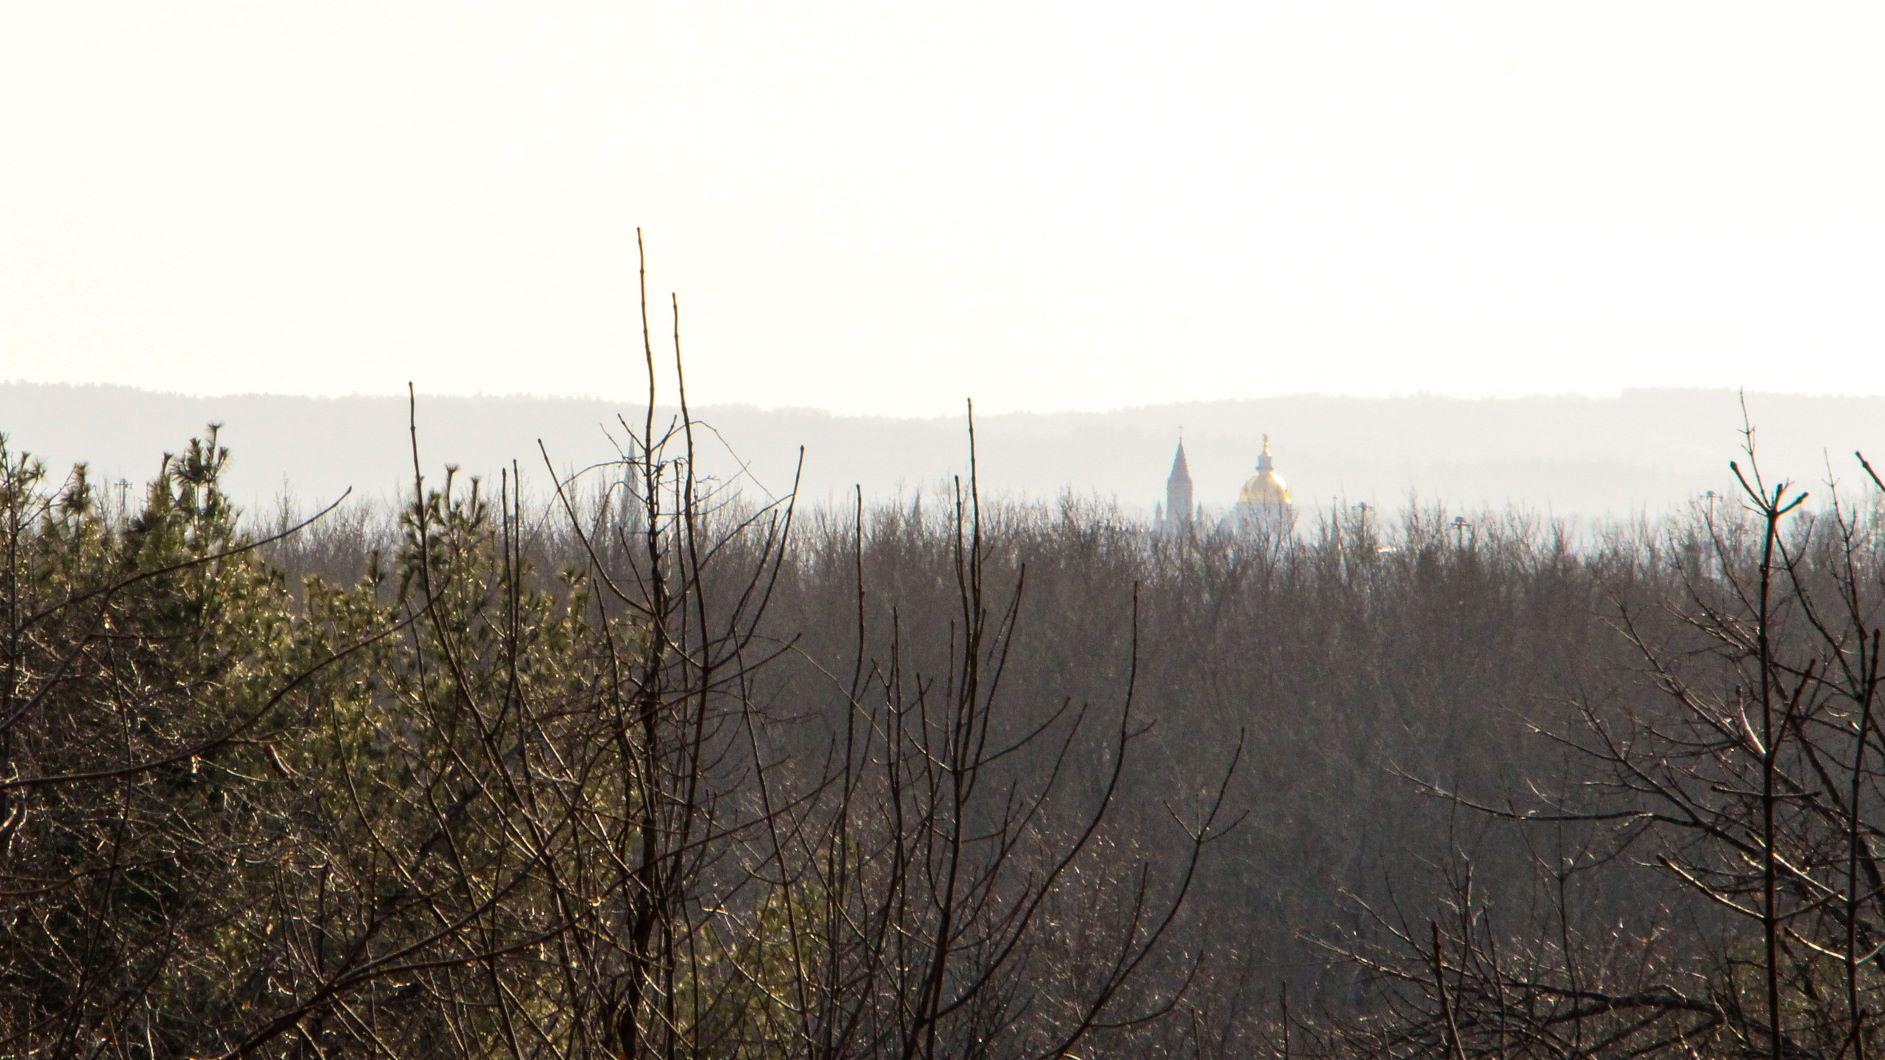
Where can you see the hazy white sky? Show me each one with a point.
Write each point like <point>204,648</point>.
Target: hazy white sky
<point>883,207</point>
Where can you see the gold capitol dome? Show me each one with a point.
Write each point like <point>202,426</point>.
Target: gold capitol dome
<point>1266,488</point>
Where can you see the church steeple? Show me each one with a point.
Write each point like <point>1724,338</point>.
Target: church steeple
<point>1178,506</point>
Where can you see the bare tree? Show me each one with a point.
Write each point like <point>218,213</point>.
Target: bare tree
<point>1744,770</point>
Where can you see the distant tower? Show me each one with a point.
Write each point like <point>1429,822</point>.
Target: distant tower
<point>1178,506</point>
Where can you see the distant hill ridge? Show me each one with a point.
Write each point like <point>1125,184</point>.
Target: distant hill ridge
<point>1643,450</point>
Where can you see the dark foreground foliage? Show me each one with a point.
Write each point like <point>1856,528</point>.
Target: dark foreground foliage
<point>472,800</point>
<point>644,771</point>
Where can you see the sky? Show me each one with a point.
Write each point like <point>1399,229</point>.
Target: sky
<point>885,208</point>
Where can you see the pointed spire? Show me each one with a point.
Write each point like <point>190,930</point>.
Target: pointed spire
<point>1178,498</point>
<point>1181,471</point>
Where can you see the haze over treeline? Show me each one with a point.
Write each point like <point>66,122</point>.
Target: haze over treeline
<point>1582,457</point>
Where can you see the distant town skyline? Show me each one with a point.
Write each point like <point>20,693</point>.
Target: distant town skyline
<point>884,209</point>
<point>1603,458</point>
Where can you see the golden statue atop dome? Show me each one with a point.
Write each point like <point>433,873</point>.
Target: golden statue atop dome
<point>1266,488</point>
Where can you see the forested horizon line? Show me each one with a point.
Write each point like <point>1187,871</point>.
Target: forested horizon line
<point>1642,452</point>
<point>561,779</point>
